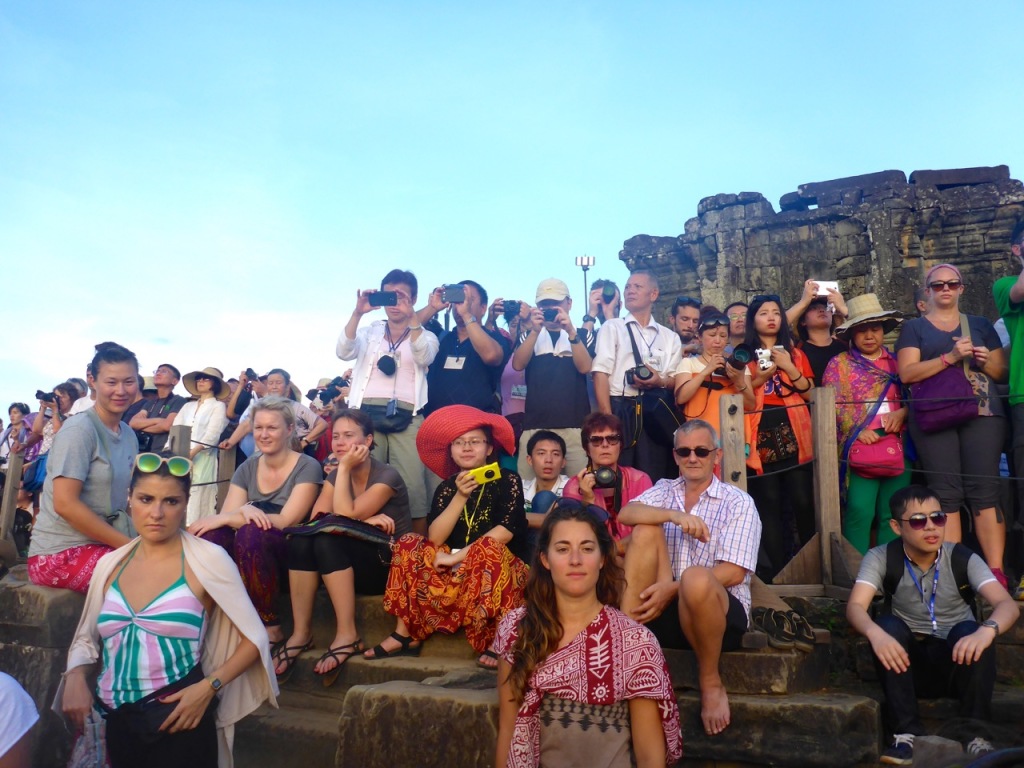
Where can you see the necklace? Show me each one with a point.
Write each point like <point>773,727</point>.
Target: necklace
<point>872,359</point>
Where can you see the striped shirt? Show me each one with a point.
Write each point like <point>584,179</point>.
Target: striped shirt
<point>146,651</point>
<point>732,521</point>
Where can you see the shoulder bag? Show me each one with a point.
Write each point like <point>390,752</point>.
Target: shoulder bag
<point>947,399</point>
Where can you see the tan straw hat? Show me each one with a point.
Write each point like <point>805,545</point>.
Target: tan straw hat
<point>223,392</point>
<point>867,309</point>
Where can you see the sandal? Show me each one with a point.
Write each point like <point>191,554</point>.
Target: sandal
<point>405,648</point>
<point>490,655</point>
<point>284,655</point>
<point>340,654</point>
<point>776,625</point>
<point>803,632</point>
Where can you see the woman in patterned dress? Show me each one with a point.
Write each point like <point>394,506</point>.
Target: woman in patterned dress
<point>579,683</point>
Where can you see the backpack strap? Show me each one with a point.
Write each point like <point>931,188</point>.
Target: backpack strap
<point>894,566</point>
<point>958,561</point>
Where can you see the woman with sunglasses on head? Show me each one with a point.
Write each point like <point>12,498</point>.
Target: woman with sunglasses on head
<point>361,488</point>
<point>550,688</point>
<point>470,570</point>
<point>702,380</point>
<point>780,440</point>
<point>869,411</point>
<point>962,461</point>
<point>168,627</point>
<point>604,482</point>
<point>81,512</point>
<point>271,491</point>
<point>206,416</point>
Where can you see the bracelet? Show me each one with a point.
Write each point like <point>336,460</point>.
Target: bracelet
<point>742,390</point>
<point>798,379</point>
<point>945,363</point>
<point>415,327</point>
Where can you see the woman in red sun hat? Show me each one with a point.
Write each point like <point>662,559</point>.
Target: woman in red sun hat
<point>470,570</point>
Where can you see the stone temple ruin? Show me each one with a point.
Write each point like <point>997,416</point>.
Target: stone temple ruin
<point>878,232</point>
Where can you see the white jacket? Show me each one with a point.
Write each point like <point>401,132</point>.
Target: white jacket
<point>363,349</point>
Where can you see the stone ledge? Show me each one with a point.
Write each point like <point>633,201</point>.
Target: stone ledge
<point>758,672</point>
<point>39,616</point>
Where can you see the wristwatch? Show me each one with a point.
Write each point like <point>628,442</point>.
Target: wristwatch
<point>589,319</point>
<point>576,339</point>
<point>471,319</point>
<point>991,623</point>
<point>215,683</point>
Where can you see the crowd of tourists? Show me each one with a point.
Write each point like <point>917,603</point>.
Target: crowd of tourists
<point>546,482</point>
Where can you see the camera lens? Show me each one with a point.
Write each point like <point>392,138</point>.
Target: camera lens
<point>489,474</point>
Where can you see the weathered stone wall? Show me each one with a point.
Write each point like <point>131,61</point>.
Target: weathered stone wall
<point>879,233</point>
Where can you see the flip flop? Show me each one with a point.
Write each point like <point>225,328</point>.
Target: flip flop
<point>490,655</point>
<point>284,655</point>
<point>337,652</point>
<point>776,625</point>
<point>803,632</point>
<point>405,648</point>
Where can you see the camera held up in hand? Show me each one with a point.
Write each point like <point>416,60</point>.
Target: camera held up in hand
<point>46,397</point>
<point>639,373</point>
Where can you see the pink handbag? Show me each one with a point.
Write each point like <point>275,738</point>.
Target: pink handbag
<point>883,458</point>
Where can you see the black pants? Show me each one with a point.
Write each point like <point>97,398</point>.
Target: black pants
<point>780,497</point>
<point>933,674</point>
<point>647,455</point>
<point>327,553</point>
<point>196,748</point>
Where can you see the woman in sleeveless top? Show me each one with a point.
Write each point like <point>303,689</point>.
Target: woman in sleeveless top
<point>579,683</point>
<point>153,621</point>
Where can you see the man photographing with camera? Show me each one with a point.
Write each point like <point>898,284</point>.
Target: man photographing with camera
<point>389,378</point>
<point>634,355</point>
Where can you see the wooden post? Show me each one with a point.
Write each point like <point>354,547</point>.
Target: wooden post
<point>179,441</point>
<point>734,442</point>
<point>9,505</point>
<point>225,469</point>
<point>826,475</point>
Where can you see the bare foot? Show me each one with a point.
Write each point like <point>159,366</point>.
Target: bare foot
<point>714,709</point>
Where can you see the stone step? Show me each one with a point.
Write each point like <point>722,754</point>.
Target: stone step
<point>289,737</point>
<point>39,616</point>
<point>406,723</point>
<point>768,671</point>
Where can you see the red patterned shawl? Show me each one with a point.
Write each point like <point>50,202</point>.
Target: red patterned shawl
<point>613,659</point>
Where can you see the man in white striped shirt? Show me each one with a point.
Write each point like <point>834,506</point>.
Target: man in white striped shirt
<point>688,565</point>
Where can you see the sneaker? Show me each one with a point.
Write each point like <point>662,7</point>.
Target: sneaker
<point>978,747</point>
<point>1001,578</point>
<point>902,750</point>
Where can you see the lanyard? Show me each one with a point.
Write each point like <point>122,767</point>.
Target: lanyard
<point>392,346</point>
<point>650,346</point>
<point>471,521</point>
<point>935,588</point>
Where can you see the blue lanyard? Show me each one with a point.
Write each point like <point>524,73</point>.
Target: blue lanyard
<point>935,588</point>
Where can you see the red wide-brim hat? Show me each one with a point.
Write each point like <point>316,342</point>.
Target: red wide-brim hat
<point>439,429</point>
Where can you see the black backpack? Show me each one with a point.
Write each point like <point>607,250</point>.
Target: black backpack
<point>895,563</point>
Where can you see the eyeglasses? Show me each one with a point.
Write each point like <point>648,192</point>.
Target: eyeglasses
<point>596,511</point>
<point>702,453</point>
<point>737,315</point>
<point>766,297</point>
<point>473,442</point>
<point>178,466</point>
<point>604,439</point>
<point>938,285</point>
<point>920,520</point>
<point>714,321</point>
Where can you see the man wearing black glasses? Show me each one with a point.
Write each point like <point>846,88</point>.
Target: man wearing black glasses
<point>927,642</point>
<point>693,548</point>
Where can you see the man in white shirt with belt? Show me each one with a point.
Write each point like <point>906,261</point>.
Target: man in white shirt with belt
<point>389,381</point>
<point>616,381</point>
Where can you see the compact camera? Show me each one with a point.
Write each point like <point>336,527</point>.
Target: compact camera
<point>640,373</point>
<point>486,473</point>
<point>512,309</point>
<point>46,397</point>
<point>453,294</point>
<point>764,358</point>
<point>383,299</point>
<point>550,314</point>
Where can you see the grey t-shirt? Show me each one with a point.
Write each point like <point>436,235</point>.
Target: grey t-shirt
<point>79,454</point>
<point>397,507</point>
<point>307,470</point>
<point>910,605</point>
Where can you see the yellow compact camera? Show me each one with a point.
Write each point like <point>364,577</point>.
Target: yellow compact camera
<point>486,473</point>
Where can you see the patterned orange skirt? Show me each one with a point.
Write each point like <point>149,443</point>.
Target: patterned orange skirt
<point>476,596</point>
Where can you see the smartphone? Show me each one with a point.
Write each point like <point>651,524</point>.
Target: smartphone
<point>825,285</point>
<point>383,299</point>
<point>486,473</point>
<point>453,294</point>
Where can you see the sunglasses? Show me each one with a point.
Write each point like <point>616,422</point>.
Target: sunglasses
<point>596,511</point>
<point>920,520</point>
<point>702,453</point>
<point>604,439</point>
<point>687,301</point>
<point>938,285</point>
<point>178,466</point>
<point>202,377</point>
<point>715,321</point>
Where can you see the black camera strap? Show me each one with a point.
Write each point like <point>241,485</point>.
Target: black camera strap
<point>636,349</point>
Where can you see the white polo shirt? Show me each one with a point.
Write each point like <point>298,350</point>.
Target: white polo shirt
<point>659,348</point>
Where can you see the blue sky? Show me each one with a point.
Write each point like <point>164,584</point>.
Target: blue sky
<point>209,183</point>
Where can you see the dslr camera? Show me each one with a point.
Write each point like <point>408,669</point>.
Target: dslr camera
<point>486,473</point>
<point>512,309</point>
<point>639,373</point>
<point>328,393</point>
<point>46,397</point>
<point>605,477</point>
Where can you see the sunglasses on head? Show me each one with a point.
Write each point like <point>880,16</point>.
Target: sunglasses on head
<point>715,321</point>
<point>596,511</point>
<point>938,285</point>
<point>702,453</point>
<point>178,466</point>
<point>604,439</point>
<point>920,520</point>
<point>686,301</point>
<point>766,297</point>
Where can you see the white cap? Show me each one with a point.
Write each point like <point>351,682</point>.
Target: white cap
<point>552,289</point>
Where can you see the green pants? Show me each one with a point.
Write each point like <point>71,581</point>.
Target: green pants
<point>867,503</point>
